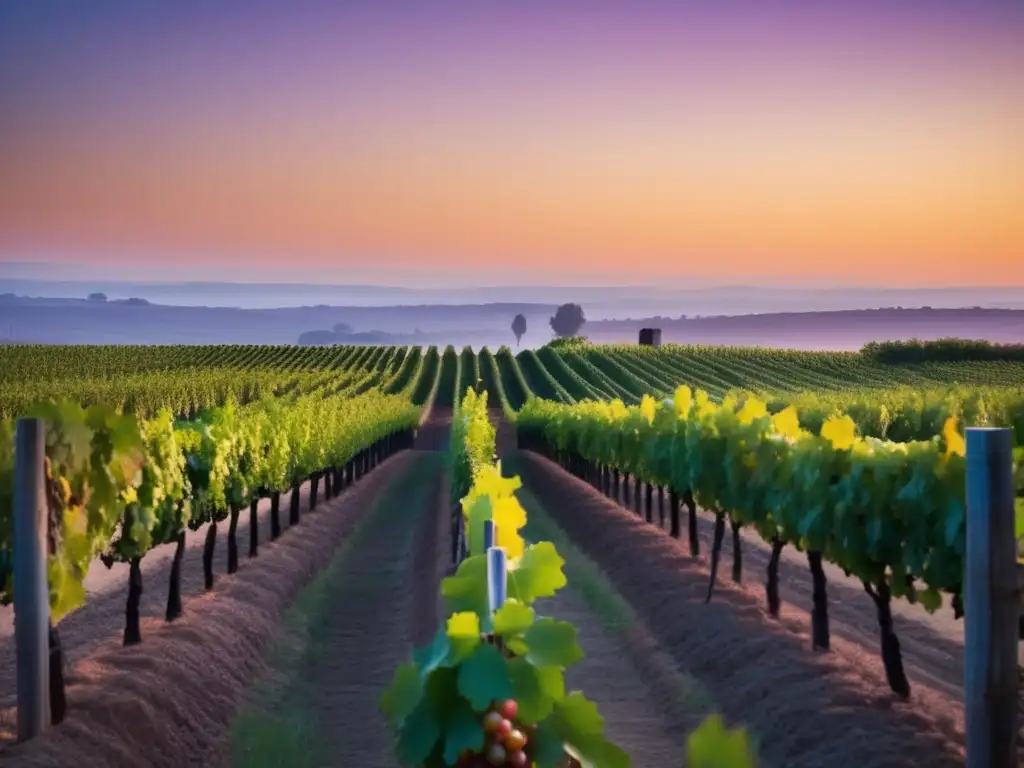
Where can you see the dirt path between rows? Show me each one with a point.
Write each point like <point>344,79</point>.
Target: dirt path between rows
<point>932,644</point>
<point>636,718</point>
<point>637,714</point>
<point>809,709</point>
<point>101,619</point>
<point>433,434</point>
<point>380,597</point>
<point>169,700</point>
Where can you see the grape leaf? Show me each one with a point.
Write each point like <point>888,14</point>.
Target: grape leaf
<point>537,574</point>
<point>581,728</point>
<point>466,590</point>
<point>462,731</point>
<point>419,733</point>
<point>483,678</point>
<point>435,655</point>
<point>405,693</point>
<point>513,618</point>
<point>463,635</point>
<point>930,599</point>
<point>536,689</point>
<point>479,512</point>
<point>553,643</point>
<point>713,746</point>
<point>548,749</point>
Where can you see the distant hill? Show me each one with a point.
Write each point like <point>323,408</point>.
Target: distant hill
<point>849,329</point>
<point>77,321</point>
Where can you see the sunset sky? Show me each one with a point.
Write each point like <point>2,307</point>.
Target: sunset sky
<point>848,142</point>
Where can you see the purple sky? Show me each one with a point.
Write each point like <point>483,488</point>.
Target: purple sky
<point>871,141</point>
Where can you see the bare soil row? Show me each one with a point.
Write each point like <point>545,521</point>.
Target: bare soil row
<point>810,709</point>
<point>378,598</point>
<point>170,700</point>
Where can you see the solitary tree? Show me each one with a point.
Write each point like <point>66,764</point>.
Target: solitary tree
<point>568,320</point>
<point>518,327</point>
<point>97,297</point>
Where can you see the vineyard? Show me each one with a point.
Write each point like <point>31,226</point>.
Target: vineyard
<point>359,480</point>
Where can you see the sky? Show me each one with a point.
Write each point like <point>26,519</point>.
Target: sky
<point>876,142</point>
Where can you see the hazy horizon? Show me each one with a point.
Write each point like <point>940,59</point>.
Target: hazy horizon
<point>599,302</point>
<point>57,272</point>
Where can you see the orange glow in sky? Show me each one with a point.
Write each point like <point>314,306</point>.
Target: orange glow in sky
<point>821,160</point>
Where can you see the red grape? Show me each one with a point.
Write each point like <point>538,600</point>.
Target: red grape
<point>509,709</point>
<point>518,759</point>
<point>504,729</point>
<point>492,722</point>
<point>515,741</point>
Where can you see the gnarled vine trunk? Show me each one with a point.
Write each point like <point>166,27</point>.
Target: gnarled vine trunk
<point>132,629</point>
<point>254,527</point>
<point>208,548</point>
<point>233,539</point>
<point>819,613</point>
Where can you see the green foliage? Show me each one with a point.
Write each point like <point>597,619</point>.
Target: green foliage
<point>569,343</point>
<point>119,485</point>
<point>946,350</point>
<point>712,745</point>
<point>472,442</point>
<point>886,512</point>
<point>435,703</point>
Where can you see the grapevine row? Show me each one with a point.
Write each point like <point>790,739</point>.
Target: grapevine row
<point>490,689</point>
<point>117,486</point>
<point>891,514</point>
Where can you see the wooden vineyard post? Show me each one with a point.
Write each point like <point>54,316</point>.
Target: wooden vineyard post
<point>31,591</point>
<point>990,602</point>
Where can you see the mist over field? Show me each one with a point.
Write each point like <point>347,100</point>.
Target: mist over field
<point>59,312</point>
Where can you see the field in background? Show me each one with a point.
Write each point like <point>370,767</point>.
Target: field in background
<point>138,378</point>
<point>315,420</point>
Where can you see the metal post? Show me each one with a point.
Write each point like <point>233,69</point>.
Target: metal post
<point>31,592</point>
<point>990,602</point>
<point>497,578</point>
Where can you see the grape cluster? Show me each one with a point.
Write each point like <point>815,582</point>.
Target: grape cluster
<point>505,740</point>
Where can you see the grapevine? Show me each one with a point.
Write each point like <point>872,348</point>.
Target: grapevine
<point>890,513</point>
<point>489,690</point>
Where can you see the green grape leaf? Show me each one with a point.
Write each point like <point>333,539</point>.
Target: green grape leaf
<point>713,746</point>
<point>548,749</point>
<point>405,693</point>
<point>536,689</point>
<point>581,728</point>
<point>463,730</point>
<point>553,643</point>
<point>466,590</point>
<point>483,678</point>
<point>513,618</point>
<point>537,574</point>
<point>930,599</point>
<point>463,635</point>
<point>419,733</point>
<point>435,655</point>
<point>478,514</point>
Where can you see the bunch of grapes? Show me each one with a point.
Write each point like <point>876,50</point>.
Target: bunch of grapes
<point>505,740</point>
